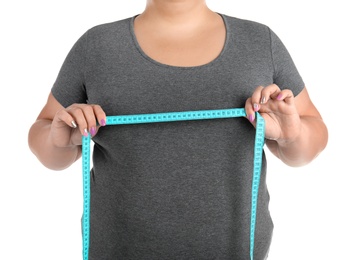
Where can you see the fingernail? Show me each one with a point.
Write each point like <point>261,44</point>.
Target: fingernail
<point>251,118</point>
<point>279,97</point>
<point>73,124</point>
<point>92,131</point>
<point>102,122</point>
<point>256,107</point>
<point>263,99</point>
<point>85,132</point>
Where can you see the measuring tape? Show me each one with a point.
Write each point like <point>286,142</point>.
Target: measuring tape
<point>171,117</point>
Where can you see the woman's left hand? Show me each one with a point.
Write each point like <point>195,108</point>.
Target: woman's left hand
<point>277,107</point>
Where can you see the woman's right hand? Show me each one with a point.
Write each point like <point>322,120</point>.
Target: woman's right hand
<point>71,123</point>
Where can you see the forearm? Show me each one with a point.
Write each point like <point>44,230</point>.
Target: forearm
<point>306,147</point>
<point>51,156</point>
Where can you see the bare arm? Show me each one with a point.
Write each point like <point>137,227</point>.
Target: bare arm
<point>295,131</point>
<point>55,137</point>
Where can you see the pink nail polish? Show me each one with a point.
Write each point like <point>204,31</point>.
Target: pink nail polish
<point>102,122</point>
<point>279,97</point>
<point>92,131</point>
<point>85,132</point>
<point>251,117</point>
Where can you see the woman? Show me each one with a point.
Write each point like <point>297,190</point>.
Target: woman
<point>177,190</point>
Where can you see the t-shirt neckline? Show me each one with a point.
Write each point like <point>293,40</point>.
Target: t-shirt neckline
<point>147,57</point>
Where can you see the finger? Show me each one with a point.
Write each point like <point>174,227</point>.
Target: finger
<point>285,95</point>
<point>100,115</point>
<point>256,98</point>
<point>94,115</point>
<point>89,113</point>
<point>249,109</point>
<point>77,113</point>
<point>269,92</point>
<point>65,117</point>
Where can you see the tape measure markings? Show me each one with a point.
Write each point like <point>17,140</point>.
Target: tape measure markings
<point>86,195</point>
<point>171,117</point>
<point>258,150</point>
<point>174,116</point>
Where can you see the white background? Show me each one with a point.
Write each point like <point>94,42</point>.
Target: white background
<point>315,208</point>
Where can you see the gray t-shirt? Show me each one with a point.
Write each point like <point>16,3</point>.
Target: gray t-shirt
<point>179,190</point>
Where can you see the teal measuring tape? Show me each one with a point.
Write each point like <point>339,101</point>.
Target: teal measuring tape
<point>171,117</point>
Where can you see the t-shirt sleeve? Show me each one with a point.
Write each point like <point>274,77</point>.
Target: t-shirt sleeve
<point>286,75</point>
<point>69,86</point>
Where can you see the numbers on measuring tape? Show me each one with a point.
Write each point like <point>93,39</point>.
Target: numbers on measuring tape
<point>171,117</point>
<point>174,116</point>
<point>86,195</point>
<point>258,150</point>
